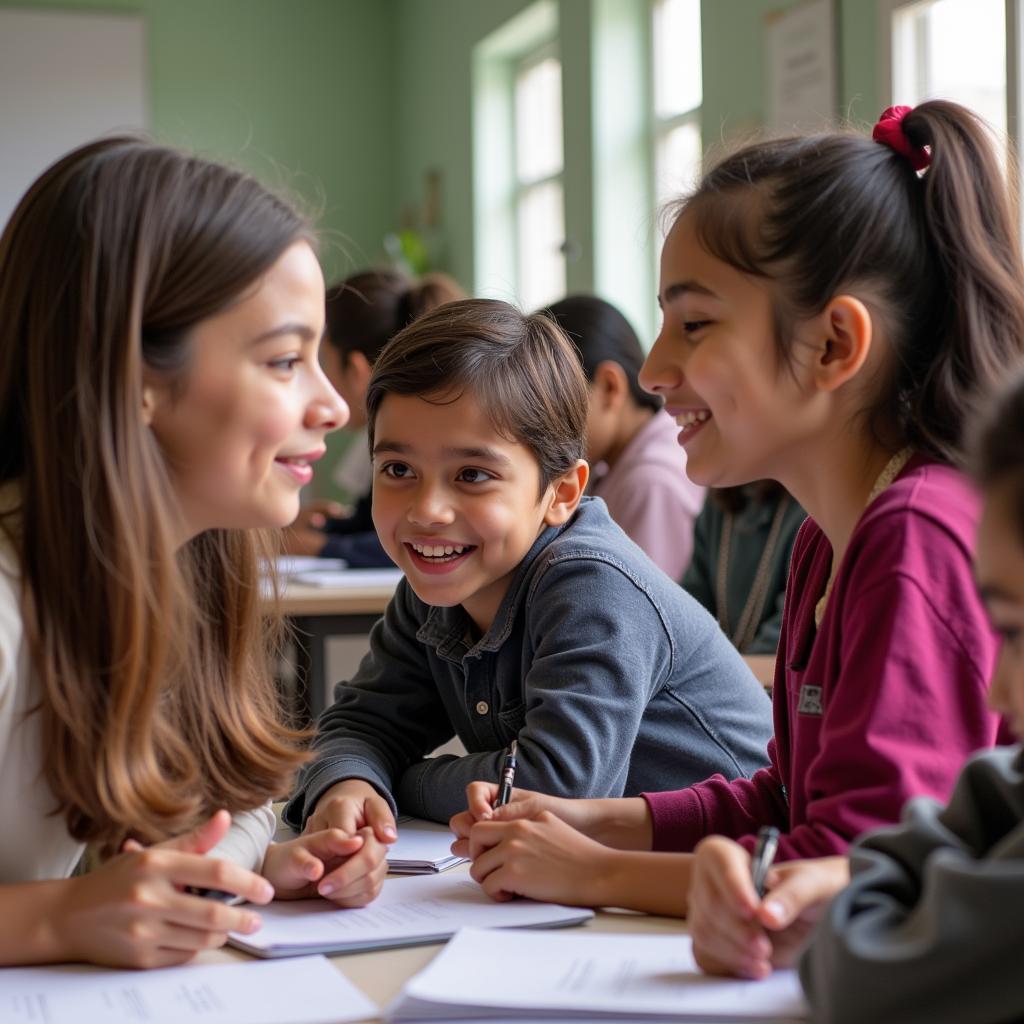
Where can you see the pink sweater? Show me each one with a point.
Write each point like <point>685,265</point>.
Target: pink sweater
<point>885,702</point>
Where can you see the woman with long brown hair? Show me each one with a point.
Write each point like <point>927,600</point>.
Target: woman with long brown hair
<point>160,403</point>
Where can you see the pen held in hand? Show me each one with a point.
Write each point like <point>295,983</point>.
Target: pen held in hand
<point>764,855</point>
<point>508,776</point>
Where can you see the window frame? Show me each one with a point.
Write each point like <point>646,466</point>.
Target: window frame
<point>521,188</point>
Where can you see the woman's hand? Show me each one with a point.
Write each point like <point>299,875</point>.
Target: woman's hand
<point>350,806</point>
<point>134,911</point>
<point>347,869</point>
<point>543,858</point>
<point>736,932</point>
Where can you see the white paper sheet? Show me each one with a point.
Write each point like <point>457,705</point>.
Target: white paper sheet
<point>483,974</point>
<point>422,847</point>
<point>304,991</point>
<point>409,911</point>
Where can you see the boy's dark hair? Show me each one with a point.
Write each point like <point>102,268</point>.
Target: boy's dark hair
<point>602,334</point>
<point>521,369</point>
<point>999,447</point>
<point>935,256</point>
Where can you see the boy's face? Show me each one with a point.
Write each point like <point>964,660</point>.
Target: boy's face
<point>999,566</point>
<point>455,503</point>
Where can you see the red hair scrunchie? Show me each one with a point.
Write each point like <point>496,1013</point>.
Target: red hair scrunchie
<point>889,132</point>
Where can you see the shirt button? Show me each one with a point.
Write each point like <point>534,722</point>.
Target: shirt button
<point>482,707</point>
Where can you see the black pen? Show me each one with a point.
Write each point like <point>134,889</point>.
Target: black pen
<point>764,854</point>
<point>213,894</point>
<point>508,776</point>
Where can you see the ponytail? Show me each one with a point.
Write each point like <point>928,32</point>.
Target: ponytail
<point>972,231</point>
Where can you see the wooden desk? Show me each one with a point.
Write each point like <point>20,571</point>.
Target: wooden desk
<point>318,613</point>
<point>381,974</point>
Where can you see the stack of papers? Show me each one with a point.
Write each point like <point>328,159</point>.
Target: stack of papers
<point>514,976</point>
<point>422,848</point>
<point>408,912</point>
<point>306,991</point>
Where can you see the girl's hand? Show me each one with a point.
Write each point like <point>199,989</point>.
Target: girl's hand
<point>543,858</point>
<point>347,870</point>
<point>735,932</point>
<point>480,797</point>
<point>133,911</point>
<point>350,806</point>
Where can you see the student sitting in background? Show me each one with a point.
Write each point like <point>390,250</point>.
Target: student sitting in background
<point>639,468</point>
<point>741,550</point>
<point>160,397</point>
<point>525,612</point>
<point>363,313</point>
<point>931,927</point>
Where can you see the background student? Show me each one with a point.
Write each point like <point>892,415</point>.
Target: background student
<point>525,613</point>
<point>637,466</point>
<point>930,927</point>
<point>801,345</point>
<point>364,312</point>
<point>742,546</point>
<point>160,397</point>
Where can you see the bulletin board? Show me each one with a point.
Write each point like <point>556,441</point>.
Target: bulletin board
<point>65,78</point>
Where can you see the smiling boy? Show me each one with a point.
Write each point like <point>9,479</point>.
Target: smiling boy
<point>525,612</point>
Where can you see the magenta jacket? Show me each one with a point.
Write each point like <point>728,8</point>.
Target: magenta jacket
<point>885,702</point>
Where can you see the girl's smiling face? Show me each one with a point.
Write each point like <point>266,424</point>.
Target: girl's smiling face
<point>740,411</point>
<point>243,431</point>
<point>999,568</point>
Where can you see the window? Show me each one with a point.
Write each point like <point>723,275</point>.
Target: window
<point>677,96</point>
<point>951,49</point>
<point>540,199</point>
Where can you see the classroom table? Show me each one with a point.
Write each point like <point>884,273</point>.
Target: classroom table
<point>382,973</point>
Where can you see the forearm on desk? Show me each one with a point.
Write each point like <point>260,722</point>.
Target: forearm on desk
<point>29,912</point>
<point>653,883</point>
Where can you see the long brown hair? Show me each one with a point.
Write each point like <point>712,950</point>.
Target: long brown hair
<point>158,701</point>
<point>936,257</point>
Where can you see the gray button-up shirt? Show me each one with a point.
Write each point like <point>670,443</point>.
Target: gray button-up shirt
<point>612,678</point>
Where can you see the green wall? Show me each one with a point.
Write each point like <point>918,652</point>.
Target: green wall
<point>302,93</point>
<point>435,40</point>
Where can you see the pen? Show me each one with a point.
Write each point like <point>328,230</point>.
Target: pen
<point>213,894</point>
<point>764,854</point>
<point>508,776</point>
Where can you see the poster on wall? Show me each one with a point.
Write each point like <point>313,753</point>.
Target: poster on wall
<point>66,77</point>
<point>800,43</point>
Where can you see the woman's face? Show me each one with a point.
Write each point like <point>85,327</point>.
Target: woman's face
<point>999,568</point>
<point>243,433</point>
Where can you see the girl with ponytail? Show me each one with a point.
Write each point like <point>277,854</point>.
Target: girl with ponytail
<point>833,305</point>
